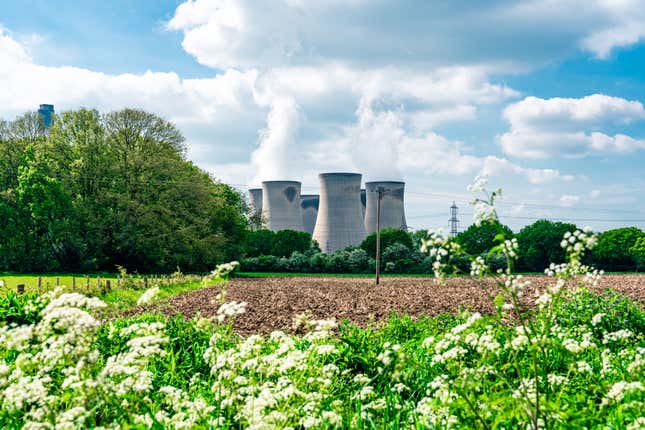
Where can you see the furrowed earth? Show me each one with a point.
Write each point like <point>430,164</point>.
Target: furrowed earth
<point>272,302</point>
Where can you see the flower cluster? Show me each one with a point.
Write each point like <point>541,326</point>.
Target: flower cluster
<point>440,248</point>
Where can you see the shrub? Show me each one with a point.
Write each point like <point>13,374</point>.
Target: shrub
<point>338,262</point>
<point>389,236</point>
<point>260,242</point>
<point>298,262</point>
<point>613,251</point>
<point>289,241</point>
<point>539,244</point>
<point>357,261</point>
<point>396,251</point>
<point>638,253</point>
<point>478,239</point>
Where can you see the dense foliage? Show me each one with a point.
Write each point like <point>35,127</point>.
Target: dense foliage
<point>282,243</point>
<point>540,244</point>
<point>479,239</point>
<point>614,250</point>
<point>389,236</point>
<point>61,366</point>
<point>106,190</point>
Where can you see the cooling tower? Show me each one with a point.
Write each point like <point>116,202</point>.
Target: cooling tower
<point>309,207</point>
<point>392,207</point>
<point>363,201</point>
<point>281,205</point>
<point>256,200</point>
<point>340,221</point>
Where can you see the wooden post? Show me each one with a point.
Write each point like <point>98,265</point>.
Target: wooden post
<point>378,235</point>
<point>20,288</point>
<point>145,282</point>
<point>73,283</point>
<point>98,282</point>
<point>107,285</point>
<point>57,281</point>
<point>40,283</point>
<point>87,284</point>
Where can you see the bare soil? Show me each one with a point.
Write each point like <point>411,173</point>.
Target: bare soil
<point>274,301</point>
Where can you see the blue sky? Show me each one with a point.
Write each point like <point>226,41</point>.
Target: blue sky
<point>546,98</point>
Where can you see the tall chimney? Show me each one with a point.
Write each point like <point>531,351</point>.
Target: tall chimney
<point>392,206</point>
<point>340,221</point>
<point>309,206</point>
<point>281,205</point>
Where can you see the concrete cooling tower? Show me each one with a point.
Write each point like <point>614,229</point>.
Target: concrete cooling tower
<point>281,205</point>
<point>256,200</point>
<point>392,207</point>
<point>309,207</point>
<point>340,221</point>
<point>363,201</point>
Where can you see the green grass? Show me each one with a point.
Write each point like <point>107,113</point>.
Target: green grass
<point>48,281</point>
<point>118,298</point>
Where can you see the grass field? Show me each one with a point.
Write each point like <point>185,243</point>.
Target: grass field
<point>120,296</point>
<point>49,281</point>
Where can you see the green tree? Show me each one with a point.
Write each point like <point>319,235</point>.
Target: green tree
<point>289,241</point>
<point>539,244</point>
<point>102,190</point>
<point>389,236</point>
<point>638,253</point>
<point>613,251</point>
<point>259,242</point>
<point>478,239</point>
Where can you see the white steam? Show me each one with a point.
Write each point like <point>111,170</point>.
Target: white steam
<point>274,157</point>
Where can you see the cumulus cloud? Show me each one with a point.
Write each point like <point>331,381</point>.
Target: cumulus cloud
<point>541,128</point>
<point>568,200</point>
<point>266,33</point>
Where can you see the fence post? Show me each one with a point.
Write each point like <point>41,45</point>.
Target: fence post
<point>40,283</point>
<point>145,282</point>
<point>98,282</point>
<point>73,283</point>
<point>87,285</point>
<point>20,288</point>
<point>107,285</point>
<point>57,281</point>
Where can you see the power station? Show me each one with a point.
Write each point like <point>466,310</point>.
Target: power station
<point>309,207</point>
<point>281,205</point>
<point>339,223</point>
<point>392,207</point>
<point>342,215</point>
<point>256,201</point>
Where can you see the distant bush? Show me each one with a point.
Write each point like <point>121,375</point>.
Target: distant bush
<point>539,244</point>
<point>638,253</point>
<point>478,239</point>
<point>614,249</point>
<point>281,244</point>
<point>389,236</point>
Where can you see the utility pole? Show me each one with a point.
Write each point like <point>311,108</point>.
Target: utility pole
<point>378,234</point>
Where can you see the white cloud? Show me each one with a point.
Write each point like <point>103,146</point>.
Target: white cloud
<point>266,33</point>
<point>625,26</point>
<point>568,200</point>
<point>541,128</point>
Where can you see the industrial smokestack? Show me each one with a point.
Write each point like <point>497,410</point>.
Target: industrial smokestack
<point>281,205</point>
<point>309,206</point>
<point>392,206</point>
<point>256,200</point>
<point>363,201</point>
<point>339,223</point>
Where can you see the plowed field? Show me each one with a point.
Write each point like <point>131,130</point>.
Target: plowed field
<point>272,302</point>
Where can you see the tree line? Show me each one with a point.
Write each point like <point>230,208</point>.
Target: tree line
<point>621,249</point>
<point>99,191</point>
